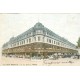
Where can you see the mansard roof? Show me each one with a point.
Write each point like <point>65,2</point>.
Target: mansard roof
<point>22,36</point>
<point>38,26</point>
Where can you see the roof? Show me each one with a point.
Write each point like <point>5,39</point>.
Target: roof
<point>38,26</point>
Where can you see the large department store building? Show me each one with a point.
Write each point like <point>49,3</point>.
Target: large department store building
<point>38,41</point>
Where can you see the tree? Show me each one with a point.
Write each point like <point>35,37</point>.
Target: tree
<point>78,42</point>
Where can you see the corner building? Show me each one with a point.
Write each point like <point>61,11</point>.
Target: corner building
<point>37,42</point>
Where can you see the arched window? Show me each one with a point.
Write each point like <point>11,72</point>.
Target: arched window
<point>58,43</point>
<point>20,42</point>
<point>17,43</point>
<point>29,40</point>
<point>54,42</point>
<point>34,38</point>
<point>39,38</point>
<point>24,41</point>
<point>49,40</point>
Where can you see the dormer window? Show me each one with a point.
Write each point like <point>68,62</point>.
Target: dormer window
<point>39,32</point>
<point>46,33</point>
<point>29,34</point>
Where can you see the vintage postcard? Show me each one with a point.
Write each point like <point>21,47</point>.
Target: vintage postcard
<point>39,39</point>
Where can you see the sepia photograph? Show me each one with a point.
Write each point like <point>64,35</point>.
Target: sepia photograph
<point>40,39</point>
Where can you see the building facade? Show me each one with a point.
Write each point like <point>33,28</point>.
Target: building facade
<point>38,41</point>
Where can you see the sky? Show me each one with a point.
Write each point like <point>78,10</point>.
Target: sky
<point>65,25</point>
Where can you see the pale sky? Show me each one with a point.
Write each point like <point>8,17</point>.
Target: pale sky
<point>65,25</point>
